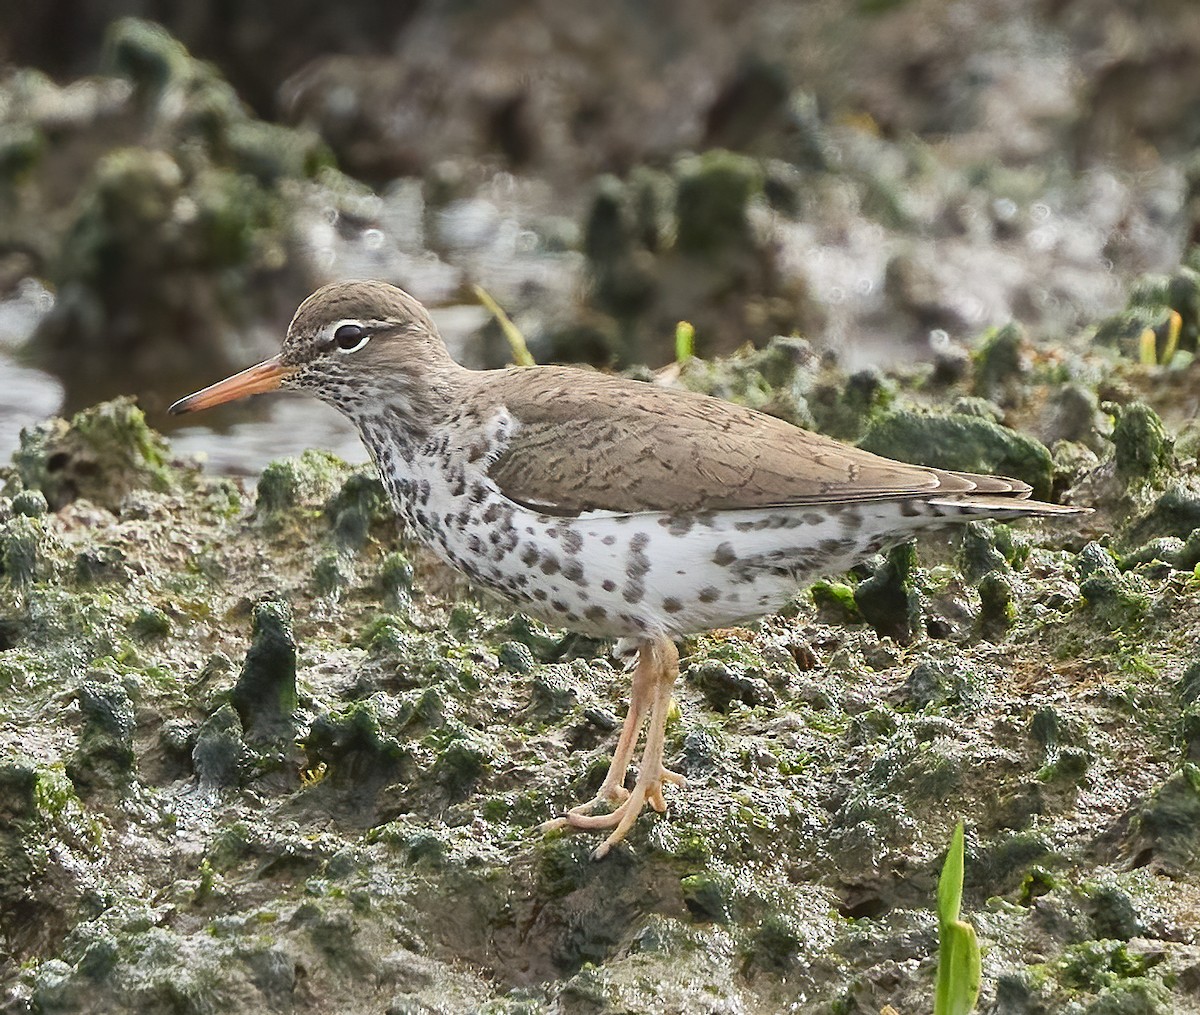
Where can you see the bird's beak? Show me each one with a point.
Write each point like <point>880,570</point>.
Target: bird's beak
<point>264,376</point>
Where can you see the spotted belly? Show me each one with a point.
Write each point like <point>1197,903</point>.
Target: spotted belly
<point>629,575</point>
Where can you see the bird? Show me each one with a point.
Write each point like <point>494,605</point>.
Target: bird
<point>614,507</point>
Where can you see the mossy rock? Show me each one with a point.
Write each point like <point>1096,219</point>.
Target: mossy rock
<point>1001,360</point>
<point>723,684</point>
<point>295,489</point>
<point>1176,512</point>
<point>265,693</point>
<point>1141,444</point>
<point>1166,828</point>
<point>712,202</point>
<point>352,744</point>
<point>361,503</point>
<point>144,53</point>
<point>1119,601</point>
<point>22,546</point>
<point>890,600</point>
<point>219,756</point>
<point>102,454</point>
<point>963,444</point>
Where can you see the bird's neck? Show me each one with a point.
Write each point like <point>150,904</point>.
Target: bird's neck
<point>401,418</point>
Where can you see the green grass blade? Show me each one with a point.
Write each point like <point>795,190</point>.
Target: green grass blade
<point>516,341</point>
<point>960,970</point>
<point>950,883</point>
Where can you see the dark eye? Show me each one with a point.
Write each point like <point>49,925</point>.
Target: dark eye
<point>349,337</point>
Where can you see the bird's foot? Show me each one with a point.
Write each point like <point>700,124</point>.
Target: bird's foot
<point>647,790</point>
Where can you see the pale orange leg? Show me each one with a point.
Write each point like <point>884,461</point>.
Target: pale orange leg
<point>657,668</point>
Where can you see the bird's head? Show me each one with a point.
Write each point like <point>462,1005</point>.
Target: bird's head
<point>350,344</point>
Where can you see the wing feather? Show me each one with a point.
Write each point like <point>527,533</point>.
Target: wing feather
<point>586,441</point>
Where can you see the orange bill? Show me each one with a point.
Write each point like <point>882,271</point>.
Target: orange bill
<point>264,376</point>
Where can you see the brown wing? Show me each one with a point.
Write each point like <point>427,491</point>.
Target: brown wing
<point>588,441</point>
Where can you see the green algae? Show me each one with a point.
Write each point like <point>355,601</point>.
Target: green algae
<point>220,754</point>
<point>962,443</point>
<point>835,601</point>
<point>265,696</point>
<point>102,454</point>
<point>104,757</point>
<point>1141,445</point>
<point>288,486</point>
<point>1000,361</point>
<point>891,600</point>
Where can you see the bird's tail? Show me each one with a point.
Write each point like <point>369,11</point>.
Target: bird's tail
<point>1002,507</point>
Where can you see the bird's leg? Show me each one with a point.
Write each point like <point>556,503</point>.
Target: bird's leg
<point>658,666</point>
<point>612,790</point>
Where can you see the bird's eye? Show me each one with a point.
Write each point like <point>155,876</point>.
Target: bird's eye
<point>349,337</point>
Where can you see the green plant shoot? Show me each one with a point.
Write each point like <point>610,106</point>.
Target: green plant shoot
<point>959,969</point>
<point>685,342</point>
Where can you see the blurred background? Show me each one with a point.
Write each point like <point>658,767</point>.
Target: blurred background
<point>887,179</point>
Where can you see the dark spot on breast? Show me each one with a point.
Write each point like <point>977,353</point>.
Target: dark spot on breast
<point>608,585</point>
<point>572,541</point>
<point>709,594</point>
<point>680,524</point>
<point>633,592</point>
<point>492,512</point>
<point>529,556</point>
<point>609,540</point>
<point>550,564</point>
<point>573,571</point>
<point>595,613</point>
<point>724,555</point>
<point>672,605</point>
<point>540,595</point>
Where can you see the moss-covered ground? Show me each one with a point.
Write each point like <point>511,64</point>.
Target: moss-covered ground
<point>258,752</point>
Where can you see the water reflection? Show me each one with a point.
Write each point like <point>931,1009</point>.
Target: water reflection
<point>242,439</point>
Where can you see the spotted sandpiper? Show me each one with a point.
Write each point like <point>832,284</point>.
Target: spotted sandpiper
<point>613,507</point>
